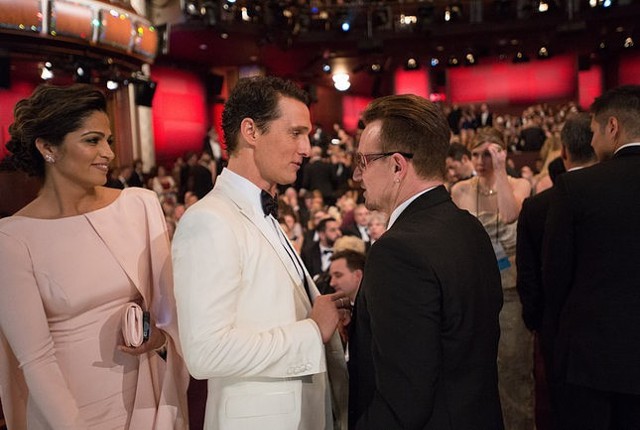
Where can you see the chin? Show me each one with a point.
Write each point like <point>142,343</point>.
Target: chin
<point>287,181</point>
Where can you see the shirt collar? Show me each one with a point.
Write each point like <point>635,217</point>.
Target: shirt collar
<point>626,146</point>
<point>246,189</point>
<point>397,211</point>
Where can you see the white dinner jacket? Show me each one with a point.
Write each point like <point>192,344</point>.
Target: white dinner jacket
<point>243,319</point>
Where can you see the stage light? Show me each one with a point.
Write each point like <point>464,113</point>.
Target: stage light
<point>112,85</point>
<point>543,52</point>
<point>520,57</point>
<point>82,73</point>
<point>47,71</point>
<point>191,8</point>
<point>543,6</point>
<point>411,64</point>
<point>343,20</point>
<point>600,3</point>
<point>453,61</point>
<point>628,42</point>
<point>375,68</point>
<point>341,81</point>
<point>470,59</point>
<point>326,67</point>
<point>434,62</point>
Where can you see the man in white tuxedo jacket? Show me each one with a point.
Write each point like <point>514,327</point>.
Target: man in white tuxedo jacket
<point>244,298</point>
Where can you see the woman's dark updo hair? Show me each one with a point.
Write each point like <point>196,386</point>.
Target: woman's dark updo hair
<point>50,113</point>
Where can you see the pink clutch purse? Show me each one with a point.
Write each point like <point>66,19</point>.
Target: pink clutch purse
<point>135,325</point>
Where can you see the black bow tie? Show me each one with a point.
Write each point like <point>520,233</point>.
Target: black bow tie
<point>327,251</point>
<point>269,204</point>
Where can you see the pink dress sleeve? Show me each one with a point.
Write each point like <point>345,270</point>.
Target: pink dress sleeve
<point>24,326</point>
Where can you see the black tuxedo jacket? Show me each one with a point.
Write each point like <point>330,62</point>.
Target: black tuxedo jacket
<point>591,274</point>
<point>425,330</point>
<point>531,221</point>
<point>311,258</point>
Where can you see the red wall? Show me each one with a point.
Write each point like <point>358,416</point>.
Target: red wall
<point>179,113</point>
<point>352,107</point>
<point>629,72</point>
<point>8,98</point>
<point>508,83</point>
<point>590,84</point>
<point>412,82</point>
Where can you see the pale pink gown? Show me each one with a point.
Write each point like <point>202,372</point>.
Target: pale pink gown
<point>63,285</point>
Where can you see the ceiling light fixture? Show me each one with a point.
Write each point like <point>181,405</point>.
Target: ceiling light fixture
<point>470,59</point>
<point>341,81</point>
<point>543,52</point>
<point>520,57</point>
<point>46,73</point>
<point>628,42</point>
<point>411,64</point>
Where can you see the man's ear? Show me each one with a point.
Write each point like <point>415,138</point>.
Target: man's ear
<point>248,130</point>
<point>399,165</point>
<point>613,126</point>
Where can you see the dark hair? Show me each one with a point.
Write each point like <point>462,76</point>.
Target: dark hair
<point>256,98</point>
<point>322,225</point>
<point>576,137</point>
<point>556,168</point>
<point>623,103</point>
<point>415,125</point>
<point>457,151</point>
<point>50,113</point>
<point>354,259</point>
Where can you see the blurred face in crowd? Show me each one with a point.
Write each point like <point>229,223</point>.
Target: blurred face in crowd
<point>319,216</point>
<point>458,170</point>
<point>481,158</point>
<point>376,229</point>
<point>343,279</point>
<point>361,215</point>
<point>330,234</point>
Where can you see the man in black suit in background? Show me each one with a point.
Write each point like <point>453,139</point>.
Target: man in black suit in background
<point>316,256</point>
<point>591,274</point>
<point>576,153</point>
<point>425,330</point>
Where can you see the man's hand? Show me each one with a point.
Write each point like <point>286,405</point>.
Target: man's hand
<point>327,311</point>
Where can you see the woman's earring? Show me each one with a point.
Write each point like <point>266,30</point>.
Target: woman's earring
<point>49,158</point>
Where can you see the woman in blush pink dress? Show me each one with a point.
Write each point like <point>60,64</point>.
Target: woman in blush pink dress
<point>71,260</point>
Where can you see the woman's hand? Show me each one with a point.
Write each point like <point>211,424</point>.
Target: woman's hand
<point>156,341</point>
<point>498,158</point>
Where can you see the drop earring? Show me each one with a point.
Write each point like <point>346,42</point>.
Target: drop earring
<point>49,158</point>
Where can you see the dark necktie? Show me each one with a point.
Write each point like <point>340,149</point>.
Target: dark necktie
<point>269,204</point>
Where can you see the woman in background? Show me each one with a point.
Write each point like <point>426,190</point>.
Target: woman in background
<point>71,260</point>
<point>496,200</point>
